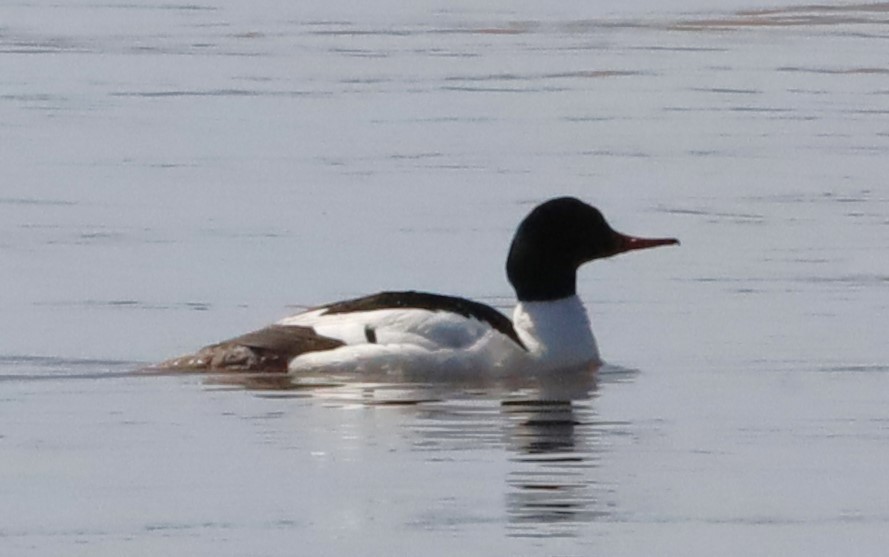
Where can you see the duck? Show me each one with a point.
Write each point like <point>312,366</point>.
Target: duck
<point>421,332</point>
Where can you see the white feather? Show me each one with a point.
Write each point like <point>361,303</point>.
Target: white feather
<point>557,335</point>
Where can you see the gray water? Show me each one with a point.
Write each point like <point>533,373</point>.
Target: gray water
<point>175,174</point>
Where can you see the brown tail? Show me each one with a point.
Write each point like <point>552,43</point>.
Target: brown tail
<point>267,350</point>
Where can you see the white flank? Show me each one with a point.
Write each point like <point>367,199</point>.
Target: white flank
<point>420,341</point>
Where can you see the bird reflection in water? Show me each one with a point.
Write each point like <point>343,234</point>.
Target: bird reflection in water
<point>547,423</point>
<point>553,438</point>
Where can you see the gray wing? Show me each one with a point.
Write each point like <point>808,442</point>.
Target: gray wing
<point>266,350</point>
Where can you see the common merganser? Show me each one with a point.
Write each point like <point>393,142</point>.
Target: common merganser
<point>430,333</point>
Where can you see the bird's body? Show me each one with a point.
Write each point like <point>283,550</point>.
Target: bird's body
<point>417,332</point>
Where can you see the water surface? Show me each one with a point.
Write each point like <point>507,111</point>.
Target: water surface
<point>175,174</point>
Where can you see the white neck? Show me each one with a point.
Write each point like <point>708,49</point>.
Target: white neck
<point>557,333</point>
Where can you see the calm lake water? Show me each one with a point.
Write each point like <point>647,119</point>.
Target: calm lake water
<point>175,174</point>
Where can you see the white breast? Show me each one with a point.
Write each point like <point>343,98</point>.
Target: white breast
<point>557,333</point>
